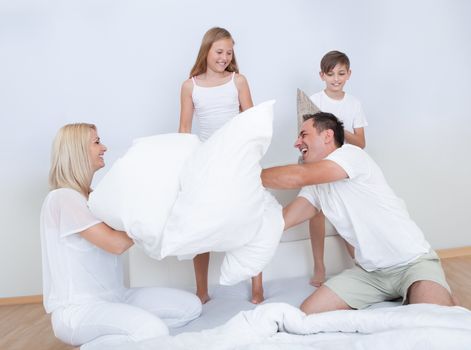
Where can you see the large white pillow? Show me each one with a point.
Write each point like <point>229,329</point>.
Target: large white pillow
<point>241,263</point>
<point>138,192</point>
<point>221,203</point>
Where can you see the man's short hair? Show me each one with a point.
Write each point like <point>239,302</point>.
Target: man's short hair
<point>331,59</point>
<point>325,121</point>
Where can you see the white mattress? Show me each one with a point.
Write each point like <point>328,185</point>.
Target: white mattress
<point>226,302</point>
<point>276,325</point>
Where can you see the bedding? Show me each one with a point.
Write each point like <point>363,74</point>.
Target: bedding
<point>282,326</point>
<point>176,196</point>
<point>230,321</point>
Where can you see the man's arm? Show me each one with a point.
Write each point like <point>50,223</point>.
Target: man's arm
<point>298,211</point>
<point>300,175</point>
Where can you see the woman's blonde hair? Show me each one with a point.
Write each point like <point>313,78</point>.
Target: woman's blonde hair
<point>70,161</point>
<point>209,38</point>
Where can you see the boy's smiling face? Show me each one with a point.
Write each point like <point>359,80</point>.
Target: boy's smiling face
<point>335,79</point>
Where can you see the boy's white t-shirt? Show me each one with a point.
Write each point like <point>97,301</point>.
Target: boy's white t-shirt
<point>366,212</point>
<point>75,271</point>
<point>348,109</point>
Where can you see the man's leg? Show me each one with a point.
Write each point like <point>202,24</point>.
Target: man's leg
<point>322,300</point>
<point>424,281</point>
<point>429,292</point>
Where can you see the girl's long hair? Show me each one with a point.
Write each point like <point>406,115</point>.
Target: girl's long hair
<point>211,36</point>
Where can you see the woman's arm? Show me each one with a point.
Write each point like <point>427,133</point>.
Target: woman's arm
<point>108,239</point>
<point>186,107</point>
<point>356,138</point>
<point>245,99</point>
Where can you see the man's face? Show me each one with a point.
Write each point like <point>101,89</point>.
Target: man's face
<point>310,143</point>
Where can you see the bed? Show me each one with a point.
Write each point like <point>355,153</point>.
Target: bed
<point>230,321</point>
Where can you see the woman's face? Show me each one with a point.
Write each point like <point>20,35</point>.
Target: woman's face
<point>96,151</point>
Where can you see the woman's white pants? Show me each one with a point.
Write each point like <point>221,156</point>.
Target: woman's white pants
<point>144,313</point>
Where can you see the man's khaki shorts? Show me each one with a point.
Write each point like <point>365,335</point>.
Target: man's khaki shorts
<point>360,288</point>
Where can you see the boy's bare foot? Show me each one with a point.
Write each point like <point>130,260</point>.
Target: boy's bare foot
<point>318,279</point>
<point>204,297</point>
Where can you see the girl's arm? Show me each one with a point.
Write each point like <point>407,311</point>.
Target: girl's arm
<point>186,107</point>
<point>245,99</point>
<point>356,138</point>
<point>108,239</point>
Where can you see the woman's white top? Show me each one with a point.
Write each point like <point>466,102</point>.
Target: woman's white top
<point>75,271</point>
<point>214,106</point>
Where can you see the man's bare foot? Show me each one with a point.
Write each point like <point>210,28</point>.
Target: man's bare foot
<point>257,298</point>
<point>318,279</point>
<point>204,297</point>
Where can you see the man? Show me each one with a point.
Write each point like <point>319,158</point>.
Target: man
<point>393,259</point>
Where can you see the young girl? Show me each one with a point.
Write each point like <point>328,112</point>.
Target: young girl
<point>82,268</point>
<point>214,93</point>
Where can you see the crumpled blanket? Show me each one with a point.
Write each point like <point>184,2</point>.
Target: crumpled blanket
<point>282,326</point>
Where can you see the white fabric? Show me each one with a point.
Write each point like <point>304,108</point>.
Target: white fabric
<point>214,106</point>
<point>134,319</point>
<point>221,204</point>
<point>366,213</point>
<point>250,259</point>
<point>282,326</point>
<point>74,270</point>
<point>83,284</point>
<point>137,194</point>
<point>348,109</point>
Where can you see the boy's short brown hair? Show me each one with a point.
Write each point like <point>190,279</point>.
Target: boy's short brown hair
<point>331,59</point>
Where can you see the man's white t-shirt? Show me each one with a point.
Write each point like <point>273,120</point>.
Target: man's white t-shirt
<point>75,271</point>
<point>348,109</point>
<point>366,212</point>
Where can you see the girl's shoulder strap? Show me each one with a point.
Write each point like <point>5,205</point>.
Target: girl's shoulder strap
<point>194,81</point>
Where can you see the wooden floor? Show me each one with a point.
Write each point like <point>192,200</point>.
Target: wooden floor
<point>28,326</point>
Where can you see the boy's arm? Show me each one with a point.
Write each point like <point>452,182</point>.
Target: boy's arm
<point>357,137</point>
<point>300,175</point>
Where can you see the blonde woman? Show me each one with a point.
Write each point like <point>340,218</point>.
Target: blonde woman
<point>82,271</point>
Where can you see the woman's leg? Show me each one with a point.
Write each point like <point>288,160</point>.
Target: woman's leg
<point>173,306</point>
<point>80,324</point>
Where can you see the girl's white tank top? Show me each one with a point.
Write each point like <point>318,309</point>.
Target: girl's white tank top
<point>214,106</point>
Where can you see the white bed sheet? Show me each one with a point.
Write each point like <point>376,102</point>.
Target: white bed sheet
<point>227,301</point>
<point>278,325</point>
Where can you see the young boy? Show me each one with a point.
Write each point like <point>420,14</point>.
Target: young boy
<point>335,71</point>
